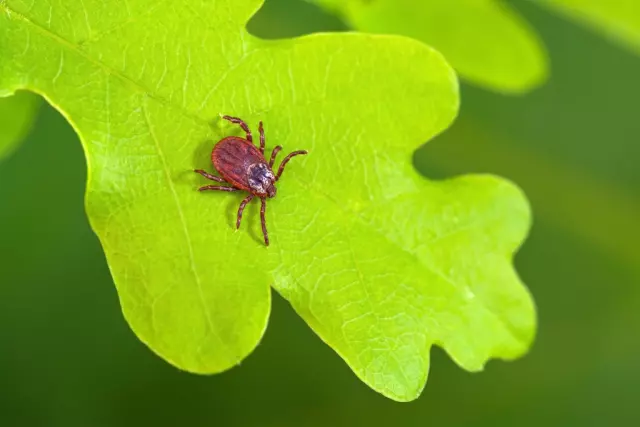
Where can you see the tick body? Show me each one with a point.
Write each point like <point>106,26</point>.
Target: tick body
<point>243,167</point>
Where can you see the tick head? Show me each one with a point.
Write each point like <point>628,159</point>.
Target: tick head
<point>261,180</point>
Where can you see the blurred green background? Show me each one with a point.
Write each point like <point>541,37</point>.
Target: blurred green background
<point>69,359</point>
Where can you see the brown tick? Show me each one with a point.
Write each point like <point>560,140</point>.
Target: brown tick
<point>244,167</point>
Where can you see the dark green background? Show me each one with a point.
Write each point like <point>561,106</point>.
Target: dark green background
<point>68,358</point>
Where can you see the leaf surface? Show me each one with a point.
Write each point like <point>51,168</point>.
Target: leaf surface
<point>486,41</point>
<point>380,262</point>
<point>617,19</point>
<point>17,114</point>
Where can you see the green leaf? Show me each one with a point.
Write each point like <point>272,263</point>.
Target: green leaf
<point>617,19</point>
<point>17,114</point>
<point>487,42</point>
<point>379,261</point>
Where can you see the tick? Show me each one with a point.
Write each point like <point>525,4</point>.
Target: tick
<point>244,168</point>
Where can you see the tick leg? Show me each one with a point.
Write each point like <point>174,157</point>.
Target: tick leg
<point>261,131</point>
<point>241,209</point>
<point>274,153</point>
<point>209,176</point>
<point>286,160</point>
<point>242,124</point>
<point>263,220</point>
<point>218,188</point>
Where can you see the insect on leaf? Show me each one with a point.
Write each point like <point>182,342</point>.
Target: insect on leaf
<point>379,261</point>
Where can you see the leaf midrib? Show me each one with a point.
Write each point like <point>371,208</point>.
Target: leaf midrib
<point>187,235</point>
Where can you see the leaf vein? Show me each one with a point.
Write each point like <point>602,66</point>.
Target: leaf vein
<point>187,235</point>
<point>139,87</point>
<point>421,262</point>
